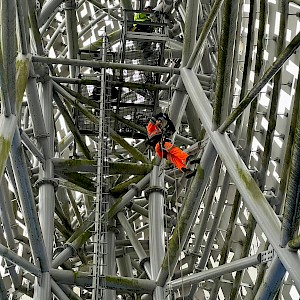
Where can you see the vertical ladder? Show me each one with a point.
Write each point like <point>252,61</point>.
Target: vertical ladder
<point>102,195</point>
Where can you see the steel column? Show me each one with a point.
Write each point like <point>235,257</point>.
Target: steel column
<point>156,226</point>
<point>8,42</point>
<point>269,286</point>
<point>28,204</point>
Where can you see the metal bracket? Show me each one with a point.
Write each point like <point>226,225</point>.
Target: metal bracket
<point>266,256</point>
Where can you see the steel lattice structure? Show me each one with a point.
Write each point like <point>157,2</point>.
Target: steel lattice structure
<point>87,211</point>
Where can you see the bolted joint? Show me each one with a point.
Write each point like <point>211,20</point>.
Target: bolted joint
<point>137,189</point>
<point>153,189</point>
<point>266,256</point>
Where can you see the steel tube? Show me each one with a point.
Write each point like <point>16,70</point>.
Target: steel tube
<point>110,282</point>
<point>59,293</point>
<point>47,10</point>
<point>215,272</point>
<point>71,278</point>
<point>20,261</point>
<point>180,101</point>
<point>187,215</point>
<point>204,219</point>
<point>32,147</point>
<point>6,223</point>
<point>72,36</point>
<point>70,249</point>
<point>23,26</point>
<point>268,75</point>
<point>45,27</point>
<point>34,30</point>
<point>125,200</point>
<point>291,211</point>
<point>100,64</point>
<point>123,262</point>
<point>28,203</point>
<point>197,53</point>
<point>36,112</point>
<point>58,30</point>
<point>156,226</point>
<point>7,66</point>
<point>47,188</point>
<point>269,286</point>
<point>3,291</point>
<point>135,242</point>
<point>252,195</point>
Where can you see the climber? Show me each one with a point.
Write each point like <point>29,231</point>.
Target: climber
<point>144,44</point>
<point>143,17</point>
<point>159,128</point>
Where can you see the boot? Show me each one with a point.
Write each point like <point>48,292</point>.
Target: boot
<point>188,172</point>
<point>192,160</point>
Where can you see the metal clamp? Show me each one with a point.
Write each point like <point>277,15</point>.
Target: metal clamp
<point>143,260</point>
<point>52,181</point>
<point>72,247</point>
<point>152,189</point>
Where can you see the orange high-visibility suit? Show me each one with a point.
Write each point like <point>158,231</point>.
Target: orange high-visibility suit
<point>174,154</point>
<point>165,148</point>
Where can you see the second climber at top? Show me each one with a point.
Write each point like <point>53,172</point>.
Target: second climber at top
<point>159,129</point>
<point>142,17</point>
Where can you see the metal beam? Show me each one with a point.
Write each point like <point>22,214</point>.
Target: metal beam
<point>100,64</point>
<point>215,272</point>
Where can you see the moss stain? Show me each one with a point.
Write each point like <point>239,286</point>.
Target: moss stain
<point>83,238</point>
<point>114,209</point>
<point>250,184</point>
<point>123,283</point>
<point>76,275</point>
<point>21,78</point>
<point>4,150</point>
